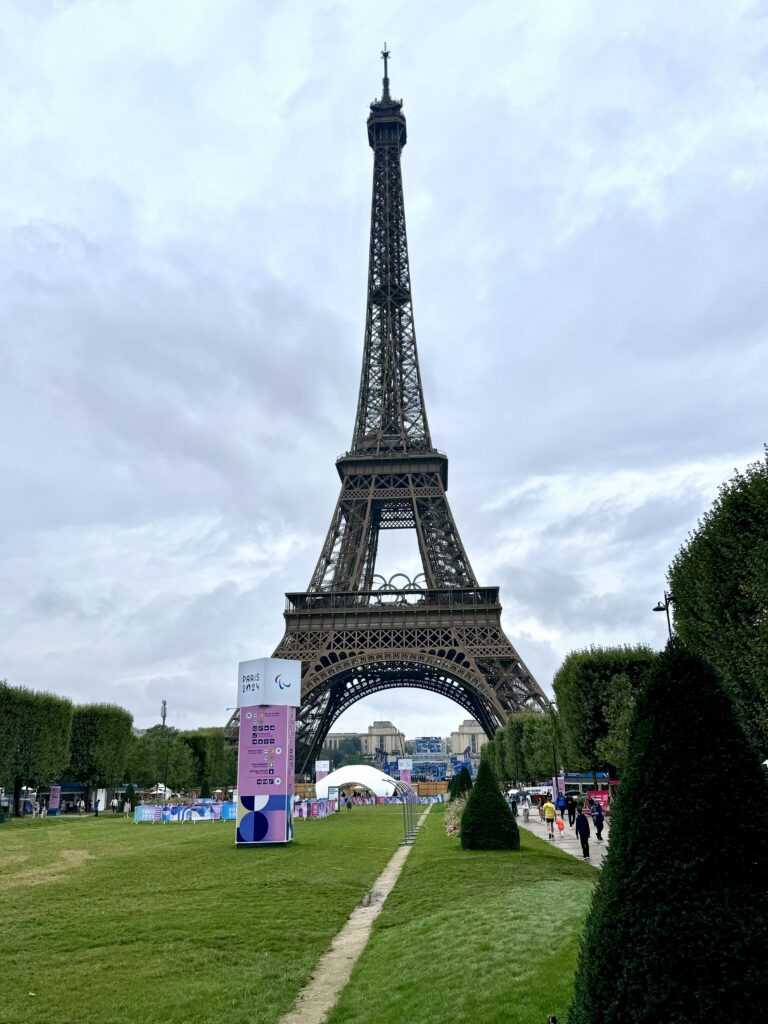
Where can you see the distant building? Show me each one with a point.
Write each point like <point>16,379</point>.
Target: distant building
<point>335,739</point>
<point>382,736</point>
<point>429,745</point>
<point>469,735</point>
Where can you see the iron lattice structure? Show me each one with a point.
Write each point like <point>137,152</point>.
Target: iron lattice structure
<point>354,632</point>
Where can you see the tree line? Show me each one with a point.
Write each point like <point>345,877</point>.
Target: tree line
<point>718,585</point>
<point>45,739</point>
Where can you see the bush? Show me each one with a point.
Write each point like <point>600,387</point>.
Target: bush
<point>719,580</point>
<point>677,929</point>
<point>463,781</point>
<point>487,822</point>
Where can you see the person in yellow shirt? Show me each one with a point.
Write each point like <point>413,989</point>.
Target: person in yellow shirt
<point>550,813</point>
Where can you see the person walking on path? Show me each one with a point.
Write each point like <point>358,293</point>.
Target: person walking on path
<point>582,831</point>
<point>550,814</point>
<point>598,820</point>
<point>113,805</point>
<point>560,804</point>
<point>81,806</point>
<point>570,806</point>
<point>127,809</point>
<point>96,808</point>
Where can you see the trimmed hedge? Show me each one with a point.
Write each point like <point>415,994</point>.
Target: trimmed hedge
<point>487,822</point>
<point>719,580</point>
<point>678,930</point>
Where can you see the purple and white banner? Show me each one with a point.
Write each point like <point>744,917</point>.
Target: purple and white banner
<point>265,768</point>
<point>405,767</point>
<point>54,800</point>
<point>322,768</point>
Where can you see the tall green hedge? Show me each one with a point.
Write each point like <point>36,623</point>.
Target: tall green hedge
<point>719,582</point>
<point>584,686</point>
<point>35,733</point>
<point>487,822</point>
<point>100,746</point>
<point>678,929</point>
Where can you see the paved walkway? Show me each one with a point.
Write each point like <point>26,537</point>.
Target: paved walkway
<point>567,840</point>
<point>315,1001</point>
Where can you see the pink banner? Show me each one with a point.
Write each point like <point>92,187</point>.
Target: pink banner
<point>601,795</point>
<point>54,801</point>
<point>405,775</point>
<point>265,768</point>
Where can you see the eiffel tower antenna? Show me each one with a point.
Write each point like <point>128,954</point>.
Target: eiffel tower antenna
<point>355,632</point>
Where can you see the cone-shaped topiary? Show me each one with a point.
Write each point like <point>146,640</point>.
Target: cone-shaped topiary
<point>463,781</point>
<point>678,929</point>
<point>487,822</point>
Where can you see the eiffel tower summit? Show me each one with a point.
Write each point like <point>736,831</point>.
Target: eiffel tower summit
<point>355,632</point>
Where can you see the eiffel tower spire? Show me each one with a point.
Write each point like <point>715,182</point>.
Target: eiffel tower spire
<point>390,410</point>
<point>355,632</point>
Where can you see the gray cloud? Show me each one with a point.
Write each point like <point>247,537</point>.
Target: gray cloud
<point>183,245</point>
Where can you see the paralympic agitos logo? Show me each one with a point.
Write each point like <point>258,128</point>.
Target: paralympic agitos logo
<point>281,683</point>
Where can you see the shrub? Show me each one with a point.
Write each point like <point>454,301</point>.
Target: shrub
<point>719,580</point>
<point>487,822</point>
<point>463,781</point>
<point>677,929</point>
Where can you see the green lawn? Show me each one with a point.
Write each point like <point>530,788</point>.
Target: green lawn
<point>107,922</point>
<point>476,936</point>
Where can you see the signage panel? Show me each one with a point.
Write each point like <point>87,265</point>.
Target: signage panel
<point>322,768</point>
<point>265,768</point>
<point>269,681</point>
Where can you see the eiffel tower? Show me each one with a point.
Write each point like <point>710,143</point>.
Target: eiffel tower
<point>355,632</point>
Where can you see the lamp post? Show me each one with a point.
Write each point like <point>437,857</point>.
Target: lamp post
<point>663,606</point>
<point>163,709</point>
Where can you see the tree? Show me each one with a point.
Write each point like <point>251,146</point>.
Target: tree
<point>487,822</point>
<point>211,768</point>
<point>158,747</point>
<point>719,582</point>
<point>517,770</point>
<point>101,738</point>
<point>677,929</point>
<point>583,690</point>
<point>499,750</point>
<point>35,733</point>
<point>612,748</point>
<point>460,783</point>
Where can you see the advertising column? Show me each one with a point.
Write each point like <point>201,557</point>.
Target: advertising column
<point>268,693</point>
<point>405,765</point>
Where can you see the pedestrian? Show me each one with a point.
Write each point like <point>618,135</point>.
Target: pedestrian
<point>36,809</point>
<point>582,831</point>
<point>81,806</point>
<point>550,813</point>
<point>570,806</point>
<point>127,809</point>
<point>598,820</point>
<point>44,809</point>
<point>348,802</point>
<point>113,805</point>
<point>96,808</point>
<point>560,804</point>
<point>514,806</point>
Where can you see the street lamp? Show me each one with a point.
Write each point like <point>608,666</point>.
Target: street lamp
<point>163,709</point>
<point>663,606</point>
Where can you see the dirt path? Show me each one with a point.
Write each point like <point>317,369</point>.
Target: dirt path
<point>317,998</point>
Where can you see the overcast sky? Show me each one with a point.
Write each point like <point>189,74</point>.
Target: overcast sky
<point>184,217</point>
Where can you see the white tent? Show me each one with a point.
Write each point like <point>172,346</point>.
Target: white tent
<point>363,775</point>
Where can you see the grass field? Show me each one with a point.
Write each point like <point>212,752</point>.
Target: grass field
<point>107,922</point>
<point>465,937</point>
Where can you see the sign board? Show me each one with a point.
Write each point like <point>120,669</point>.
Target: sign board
<point>265,767</point>
<point>405,766</point>
<point>322,768</point>
<point>601,795</point>
<point>269,681</point>
<point>54,800</point>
